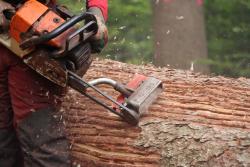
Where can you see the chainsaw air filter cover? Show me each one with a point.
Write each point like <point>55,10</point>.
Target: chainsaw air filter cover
<point>34,18</point>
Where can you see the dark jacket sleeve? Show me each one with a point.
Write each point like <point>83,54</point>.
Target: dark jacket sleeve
<point>101,4</point>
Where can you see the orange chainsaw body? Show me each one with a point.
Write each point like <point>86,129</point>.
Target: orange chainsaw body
<point>35,18</point>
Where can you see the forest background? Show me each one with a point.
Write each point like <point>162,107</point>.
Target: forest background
<point>131,33</point>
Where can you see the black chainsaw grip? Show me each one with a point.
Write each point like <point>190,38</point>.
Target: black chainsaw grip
<point>36,40</point>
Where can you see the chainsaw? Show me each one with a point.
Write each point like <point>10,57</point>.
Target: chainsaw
<point>49,41</point>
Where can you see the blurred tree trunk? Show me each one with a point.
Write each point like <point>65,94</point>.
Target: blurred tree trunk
<point>179,32</point>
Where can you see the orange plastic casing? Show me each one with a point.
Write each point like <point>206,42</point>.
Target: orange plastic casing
<point>36,16</point>
<point>47,24</point>
<point>25,17</point>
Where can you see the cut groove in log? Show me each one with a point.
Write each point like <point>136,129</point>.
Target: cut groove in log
<point>197,121</point>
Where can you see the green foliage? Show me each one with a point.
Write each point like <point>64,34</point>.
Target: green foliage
<point>74,5</point>
<point>129,25</point>
<point>228,33</point>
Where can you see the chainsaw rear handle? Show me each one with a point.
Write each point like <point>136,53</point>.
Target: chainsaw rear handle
<point>36,40</point>
<point>72,41</point>
<point>82,34</point>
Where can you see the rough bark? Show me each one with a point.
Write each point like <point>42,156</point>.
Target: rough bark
<point>197,121</point>
<point>179,32</point>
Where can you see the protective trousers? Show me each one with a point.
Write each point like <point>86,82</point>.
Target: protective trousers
<point>31,126</point>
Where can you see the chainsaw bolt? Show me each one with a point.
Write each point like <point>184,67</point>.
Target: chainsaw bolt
<point>56,20</point>
<point>45,31</point>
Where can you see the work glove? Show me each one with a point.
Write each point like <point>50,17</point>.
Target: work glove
<point>4,22</point>
<point>99,41</point>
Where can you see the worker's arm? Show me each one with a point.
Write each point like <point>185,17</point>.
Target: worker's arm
<point>100,9</point>
<point>101,4</point>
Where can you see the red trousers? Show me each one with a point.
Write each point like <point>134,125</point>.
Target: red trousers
<point>22,90</point>
<point>31,102</point>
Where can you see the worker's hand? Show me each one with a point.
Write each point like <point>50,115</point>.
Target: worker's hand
<point>4,22</point>
<point>99,41</point>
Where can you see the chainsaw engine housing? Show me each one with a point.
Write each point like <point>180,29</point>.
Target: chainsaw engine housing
<point>35,19</point>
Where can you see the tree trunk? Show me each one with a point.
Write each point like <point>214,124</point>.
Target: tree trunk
<point>179,31</point>
<point>197,121</point>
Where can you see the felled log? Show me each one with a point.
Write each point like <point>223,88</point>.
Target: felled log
<point>197,121</point>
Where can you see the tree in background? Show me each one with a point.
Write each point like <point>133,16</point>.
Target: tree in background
<point>228,32</point>
<point>131,39</point>
<point>180,39</point>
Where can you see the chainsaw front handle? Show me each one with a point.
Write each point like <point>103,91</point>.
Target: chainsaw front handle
<point>116,85</point>
<point>36,40</point>
<point>80,85</point>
